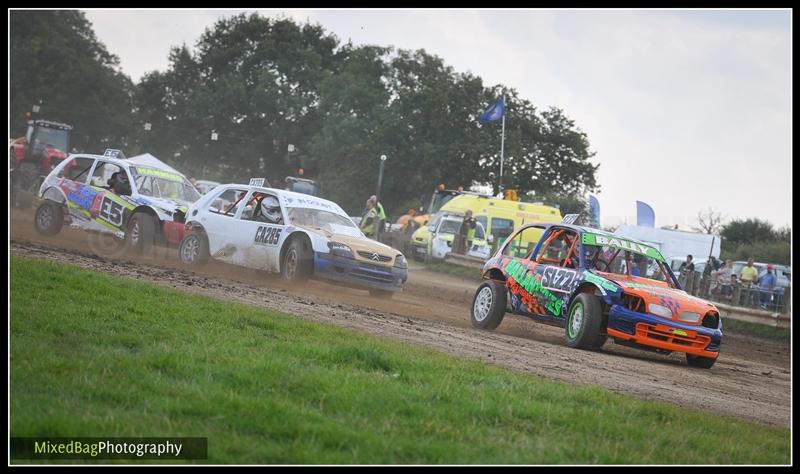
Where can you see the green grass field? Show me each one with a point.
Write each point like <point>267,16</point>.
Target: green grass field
<point>97,355</point>
<point>743,327</point>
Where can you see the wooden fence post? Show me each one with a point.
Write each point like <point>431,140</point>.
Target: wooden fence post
<point>737,294</point>
<point>787,299</point>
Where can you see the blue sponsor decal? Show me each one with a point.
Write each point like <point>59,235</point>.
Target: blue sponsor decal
<point>82,196</point>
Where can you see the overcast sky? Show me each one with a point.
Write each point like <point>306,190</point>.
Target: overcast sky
<point>686,109</point>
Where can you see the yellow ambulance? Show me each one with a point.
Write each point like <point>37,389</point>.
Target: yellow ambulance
<point>499,217</point>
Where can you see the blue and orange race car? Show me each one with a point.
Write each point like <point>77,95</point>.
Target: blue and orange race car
<point>596,285</point>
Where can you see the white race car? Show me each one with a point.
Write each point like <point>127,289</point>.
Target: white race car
<point>296,235</point>
<point>138,203</point>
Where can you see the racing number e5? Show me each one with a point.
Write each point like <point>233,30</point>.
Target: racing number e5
<point>111,211</point>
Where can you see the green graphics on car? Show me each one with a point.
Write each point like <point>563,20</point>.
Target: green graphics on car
<point>617,242</point>
<point>599,281</point>
<point>527,280</point>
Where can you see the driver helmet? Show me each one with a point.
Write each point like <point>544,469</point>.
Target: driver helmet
<point>271,209</point>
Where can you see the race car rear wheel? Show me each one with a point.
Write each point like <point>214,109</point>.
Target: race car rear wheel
<point>584,322</point>
<point>489,305</point>
<point>701,362</point>
<point>298,262</point>
<point>194,249</point>
<point>141,232</point>
<point>49,218</point>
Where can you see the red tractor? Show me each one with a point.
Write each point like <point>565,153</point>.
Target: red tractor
<point>33,156</point>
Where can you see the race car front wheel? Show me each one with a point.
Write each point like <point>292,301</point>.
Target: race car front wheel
<point>298,263</point>
<point>194,249</point>
<point>584,321</point>
<point>701,362</point>
<point>141,232</point>
<point>489,305</point>
<point>49,218</point>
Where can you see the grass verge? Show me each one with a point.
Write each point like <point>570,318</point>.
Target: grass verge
<point>746,328</point>
<point>98,355</point>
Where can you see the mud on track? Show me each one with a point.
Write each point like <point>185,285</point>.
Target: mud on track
<point>751,380</point>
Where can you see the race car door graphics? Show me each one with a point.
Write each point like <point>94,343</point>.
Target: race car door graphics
<point>262,238</point>
<point>220,220</point>
<point>542,286</point>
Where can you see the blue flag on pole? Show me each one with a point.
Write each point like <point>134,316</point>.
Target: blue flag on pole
<point>594,212</point>
<point>494,112</point>
<point>645,217</point>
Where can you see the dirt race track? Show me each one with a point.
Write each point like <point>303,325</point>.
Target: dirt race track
<point>751,380</point>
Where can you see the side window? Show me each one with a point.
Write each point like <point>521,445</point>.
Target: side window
<point>479,233</point>
<point>229,202</point>
<point>263,207</point>
<point>482,221</point>
<point>103,172</point>
<point>521,245</point>
<point>501,229</point>
<point>76,169</point>
<point>560,249</point>
<point>145,185</point>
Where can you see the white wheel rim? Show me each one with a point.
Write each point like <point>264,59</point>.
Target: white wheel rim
<point>135,231</point>
<point>483,303</point>
<point>190,249</point>
<point>45,218</point>
<point>291,263</point>
<point>576,321</point>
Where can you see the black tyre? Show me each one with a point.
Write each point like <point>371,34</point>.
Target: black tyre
<point>489,305</point>
<point>584,323</point>
<point>49,218</point>
<point>382,294</point>
<point>297,264</point>
<point>141,233</point>
<point>194,249</point>
<point>601,339</point>
<point>701,362</point>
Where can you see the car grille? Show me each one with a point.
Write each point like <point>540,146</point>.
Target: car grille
<point>665,334</point>
<point>371,255</point>
<point>372,274</point>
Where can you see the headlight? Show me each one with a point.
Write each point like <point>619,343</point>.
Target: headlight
<point>689,317</point>
<point>400,261</point>
<point>659,310</point>
<point>341,250</point>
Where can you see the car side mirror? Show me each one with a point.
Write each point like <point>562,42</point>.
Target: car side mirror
<point>490,238</point>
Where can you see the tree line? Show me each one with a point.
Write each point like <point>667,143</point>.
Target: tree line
<point>260,84</point>
<point>756,238</point>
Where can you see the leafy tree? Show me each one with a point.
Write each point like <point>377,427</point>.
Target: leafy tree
<point>566,203</point>
<point>255,82</point>
<point>746,231</point>
<point>55,60</point>
<point>774,251</point>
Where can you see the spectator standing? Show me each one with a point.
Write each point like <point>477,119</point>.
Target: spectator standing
<point>724,279</point>
<point>373,218</point>
<point>749,273</point>
<point>685,268</point>
<point>766,285</point>
<point>466,233</point>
